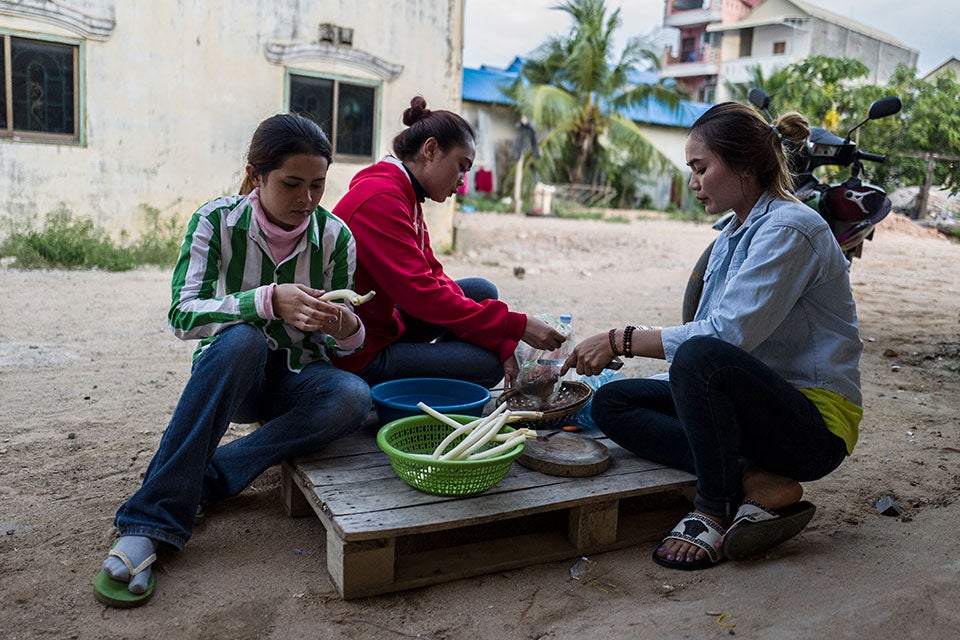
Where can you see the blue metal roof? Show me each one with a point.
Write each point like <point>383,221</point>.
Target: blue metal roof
<point>484,85</point>
<point>657,112</point>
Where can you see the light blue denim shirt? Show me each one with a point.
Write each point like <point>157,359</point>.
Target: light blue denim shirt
<point>778,287</point>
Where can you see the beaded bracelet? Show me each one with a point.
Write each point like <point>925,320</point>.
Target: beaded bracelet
<point>627,341</point>
<point>612,338</point>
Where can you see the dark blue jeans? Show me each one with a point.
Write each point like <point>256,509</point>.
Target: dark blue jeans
<point>237,378</point>
<point>721,412</point>
<point>430,351</point>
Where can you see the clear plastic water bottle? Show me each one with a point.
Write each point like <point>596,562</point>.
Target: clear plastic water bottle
<point>566,328</point>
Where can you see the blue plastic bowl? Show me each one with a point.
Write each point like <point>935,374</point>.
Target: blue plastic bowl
<point>398,398</point>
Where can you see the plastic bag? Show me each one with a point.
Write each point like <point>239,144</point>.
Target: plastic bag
<point>539,377</point>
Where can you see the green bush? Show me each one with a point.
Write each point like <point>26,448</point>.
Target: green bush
<point>68,242</point>
<point>485,203</point>
<point>160,244</point>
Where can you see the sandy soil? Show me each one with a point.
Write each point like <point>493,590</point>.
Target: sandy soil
<point>89,374</point>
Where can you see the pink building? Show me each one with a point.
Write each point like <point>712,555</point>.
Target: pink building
<point>695,62</point>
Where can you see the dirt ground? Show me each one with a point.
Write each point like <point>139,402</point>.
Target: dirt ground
<point>89,374</point>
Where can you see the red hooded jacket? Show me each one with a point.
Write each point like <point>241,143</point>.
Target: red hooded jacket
<point>394,259</point>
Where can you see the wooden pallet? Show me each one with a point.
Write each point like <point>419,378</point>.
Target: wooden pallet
<point>383,535</point>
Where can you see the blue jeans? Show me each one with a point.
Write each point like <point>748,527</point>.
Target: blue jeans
<point>430,351</point>
<point>238,379</point>
<point>721,412</point>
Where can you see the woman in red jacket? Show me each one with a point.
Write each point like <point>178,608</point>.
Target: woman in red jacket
<point>421,323</point>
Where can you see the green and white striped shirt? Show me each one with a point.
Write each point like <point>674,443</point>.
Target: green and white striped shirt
<point>224,259</point>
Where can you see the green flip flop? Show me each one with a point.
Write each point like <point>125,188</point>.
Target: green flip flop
<point>116,593</point>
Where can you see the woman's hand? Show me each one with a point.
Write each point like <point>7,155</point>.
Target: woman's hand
<point>301,307</point>
<point>540,335</point>
<point>511,369</point>
<point>590,356</point>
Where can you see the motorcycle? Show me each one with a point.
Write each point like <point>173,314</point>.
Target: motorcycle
<point>852,208</point>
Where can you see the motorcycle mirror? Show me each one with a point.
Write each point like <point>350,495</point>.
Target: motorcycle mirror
<point>880,108</point>
<point>758,98</point>
<point>884,107</point>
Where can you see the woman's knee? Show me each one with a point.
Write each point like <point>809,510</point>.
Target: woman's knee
<point>241,345</point>
<point>357,392</point>
<point>490,373</point>
<point>608,404</point>
<point>698,349</point>
<point>478,289</point>
<point>352,396</point>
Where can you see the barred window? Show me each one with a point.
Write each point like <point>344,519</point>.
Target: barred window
<point>345,110</point>
<point>39,100</point>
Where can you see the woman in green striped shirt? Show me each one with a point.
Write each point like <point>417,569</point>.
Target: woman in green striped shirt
<point>247,285</point>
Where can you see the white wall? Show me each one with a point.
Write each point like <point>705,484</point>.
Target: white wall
<point>174,92</point>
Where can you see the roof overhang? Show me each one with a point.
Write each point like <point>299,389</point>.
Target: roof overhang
<point>784,21</point>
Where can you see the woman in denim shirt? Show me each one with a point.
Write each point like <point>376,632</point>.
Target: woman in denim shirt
<point>763,390</point>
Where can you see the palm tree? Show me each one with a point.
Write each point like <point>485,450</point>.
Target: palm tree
<point>774,84</point>
<point>575,88</point>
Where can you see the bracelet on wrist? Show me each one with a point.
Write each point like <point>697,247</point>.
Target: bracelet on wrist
<point>612,339</point>
<point>628,341</point>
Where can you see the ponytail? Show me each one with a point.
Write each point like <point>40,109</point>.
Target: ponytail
<point>749,146</point>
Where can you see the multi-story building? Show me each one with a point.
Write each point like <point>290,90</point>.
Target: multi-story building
<point>722,41</point>
<point>695,60</point>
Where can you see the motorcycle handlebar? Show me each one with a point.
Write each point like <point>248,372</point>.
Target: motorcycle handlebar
<point>872,157</point>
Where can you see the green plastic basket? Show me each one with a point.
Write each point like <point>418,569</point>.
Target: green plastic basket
<point>421,435</point>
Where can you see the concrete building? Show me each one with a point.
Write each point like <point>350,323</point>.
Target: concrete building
<point>951,64</point>
<point>110,105</point>
<point>730,37</point>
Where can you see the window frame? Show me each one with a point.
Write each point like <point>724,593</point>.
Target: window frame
<point>334,117</point>
<point>12,134</point>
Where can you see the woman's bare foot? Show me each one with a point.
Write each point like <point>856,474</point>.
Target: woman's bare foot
<point>680,551</point>
<point>770,490</point>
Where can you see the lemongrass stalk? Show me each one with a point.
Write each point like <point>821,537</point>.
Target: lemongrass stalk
<point>493,420</point>
<point>485,438</point>
<point>480,426</point>
<point>459,431</point>
<point>503,437</point>
<point>439,416</point>
<point>475,433</point>
<point>498,450</point>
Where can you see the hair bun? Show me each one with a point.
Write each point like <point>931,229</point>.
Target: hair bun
<point>416,112</point>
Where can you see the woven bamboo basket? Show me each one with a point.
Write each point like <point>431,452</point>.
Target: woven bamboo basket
<point>571,398</point>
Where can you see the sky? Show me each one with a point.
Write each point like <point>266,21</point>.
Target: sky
<point>497,30</point>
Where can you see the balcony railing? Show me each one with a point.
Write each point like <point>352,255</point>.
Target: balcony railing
<point>742,70</point>
<point>701,62</point>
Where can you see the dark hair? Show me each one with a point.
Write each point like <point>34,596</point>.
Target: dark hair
<point>747,144</point>
<point>281,136</point>
<point>448,128</point>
